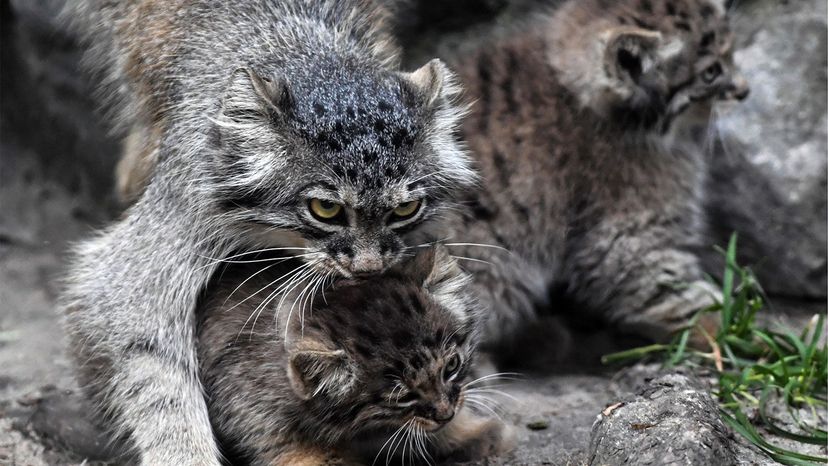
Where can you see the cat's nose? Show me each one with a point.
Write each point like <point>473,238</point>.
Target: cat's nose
<point>443,412</point>
<point>739,88</point>
<point>366,263</point>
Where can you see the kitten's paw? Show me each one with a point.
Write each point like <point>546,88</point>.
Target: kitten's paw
<point>480,438</point>
<point>675,312</point>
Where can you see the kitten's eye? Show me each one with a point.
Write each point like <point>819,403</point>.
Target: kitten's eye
<point>406,210</point>
<point>451,367</point>
<point>324,210</point>
<point>711,73</point>
<point>409,399</point>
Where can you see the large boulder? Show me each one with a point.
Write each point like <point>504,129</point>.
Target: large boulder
<point>769,163</point>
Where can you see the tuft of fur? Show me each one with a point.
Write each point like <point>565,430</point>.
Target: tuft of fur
<point>367,361</point>
<point>249,110</point>
<point>588,177</point>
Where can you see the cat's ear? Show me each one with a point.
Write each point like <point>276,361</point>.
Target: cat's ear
<point>252,99</point>
<point>434,266</point>
<point>629,54</point>
<point>313,370</point>
<point>431,81</point>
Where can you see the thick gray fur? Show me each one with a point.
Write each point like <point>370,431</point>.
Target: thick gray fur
<point>590,181</point>
<point>259,106</point>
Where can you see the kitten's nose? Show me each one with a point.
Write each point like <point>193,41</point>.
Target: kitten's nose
<point>443,412</point>
<point>366,263</point>
<point>739,88</point>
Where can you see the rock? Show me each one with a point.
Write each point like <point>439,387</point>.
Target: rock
<point>671,421</point>
<point>63,418</point>
<point>769,165</point>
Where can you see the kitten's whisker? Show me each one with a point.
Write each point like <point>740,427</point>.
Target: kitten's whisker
<point>476,402</point>
<point>486,398</point>
<point>385,444</point>
<point>489,390</point>
<point>497,375</point>
<point>421,446</point>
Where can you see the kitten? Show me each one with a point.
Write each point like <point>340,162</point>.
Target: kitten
<point>375,367</point>
<point>273,125</point>
<point>589,180</point>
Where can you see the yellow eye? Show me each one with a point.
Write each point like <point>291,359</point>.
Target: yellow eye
<point>324,210</point>
<point>406,209</point>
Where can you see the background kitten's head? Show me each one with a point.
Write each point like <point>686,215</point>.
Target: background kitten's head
<point>388,351</point>
<point>644,62</point>
<point>347,156</point>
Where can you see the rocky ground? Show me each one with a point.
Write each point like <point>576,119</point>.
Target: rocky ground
<point>769,182</point>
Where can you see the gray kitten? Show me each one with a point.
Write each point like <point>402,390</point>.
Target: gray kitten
<point>375,370</point>
<point>278,126</point>
<point>590,180</point>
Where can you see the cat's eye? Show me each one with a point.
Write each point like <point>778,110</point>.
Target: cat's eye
<point>711,73</point>
<point>405,210</point>
<point>409,399</point>
<point>451,367</point>
<point>325,210</point>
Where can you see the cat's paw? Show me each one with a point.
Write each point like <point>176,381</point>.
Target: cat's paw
<point>480,438</point>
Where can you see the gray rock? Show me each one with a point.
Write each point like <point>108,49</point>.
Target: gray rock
<point>769,163</point>
<point>670,421</point>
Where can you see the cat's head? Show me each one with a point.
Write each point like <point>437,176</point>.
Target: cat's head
<point>644,62</point>
<point>388,351</point>
<point>343,159</point>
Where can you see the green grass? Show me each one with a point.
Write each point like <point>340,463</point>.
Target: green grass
<point>757,368</point>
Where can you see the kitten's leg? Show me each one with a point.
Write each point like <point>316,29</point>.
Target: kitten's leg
<point>130,302</point>
<point>643,273</point>
<point>470,437</point>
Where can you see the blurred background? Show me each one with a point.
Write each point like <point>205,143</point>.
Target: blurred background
<point>768,179</point>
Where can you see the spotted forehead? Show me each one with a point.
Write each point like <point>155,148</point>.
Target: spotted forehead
<point>358,122</point>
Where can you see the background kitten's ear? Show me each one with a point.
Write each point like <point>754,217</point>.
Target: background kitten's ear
<point>435,265</point>
<point>431,81</point>
<point>252,99</point>
<point>312,371</point>
<point>629,53</point>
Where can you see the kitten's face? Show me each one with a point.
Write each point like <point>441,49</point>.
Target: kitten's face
<point>403,342</point>
<point>349,165</point>
<point>659,58</point>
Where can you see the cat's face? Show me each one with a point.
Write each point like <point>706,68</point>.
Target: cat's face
<point>658,58</point>
<point>344,168</point>
<point>392,351</point>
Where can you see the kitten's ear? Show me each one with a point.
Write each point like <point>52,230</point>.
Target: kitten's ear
<point>630,53</point>
<point>431,81</point>
<point>313,370</point>
<point>434,266</point>
<point>251,99</point>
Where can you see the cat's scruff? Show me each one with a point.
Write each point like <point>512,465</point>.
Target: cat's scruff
<point>370,359</point>
<point>271,125</point>
<point>589,178</point>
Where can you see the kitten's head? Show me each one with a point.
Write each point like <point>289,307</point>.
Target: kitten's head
<point>389,351</point>
<point>344,159</point>
<point>644,62</point>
